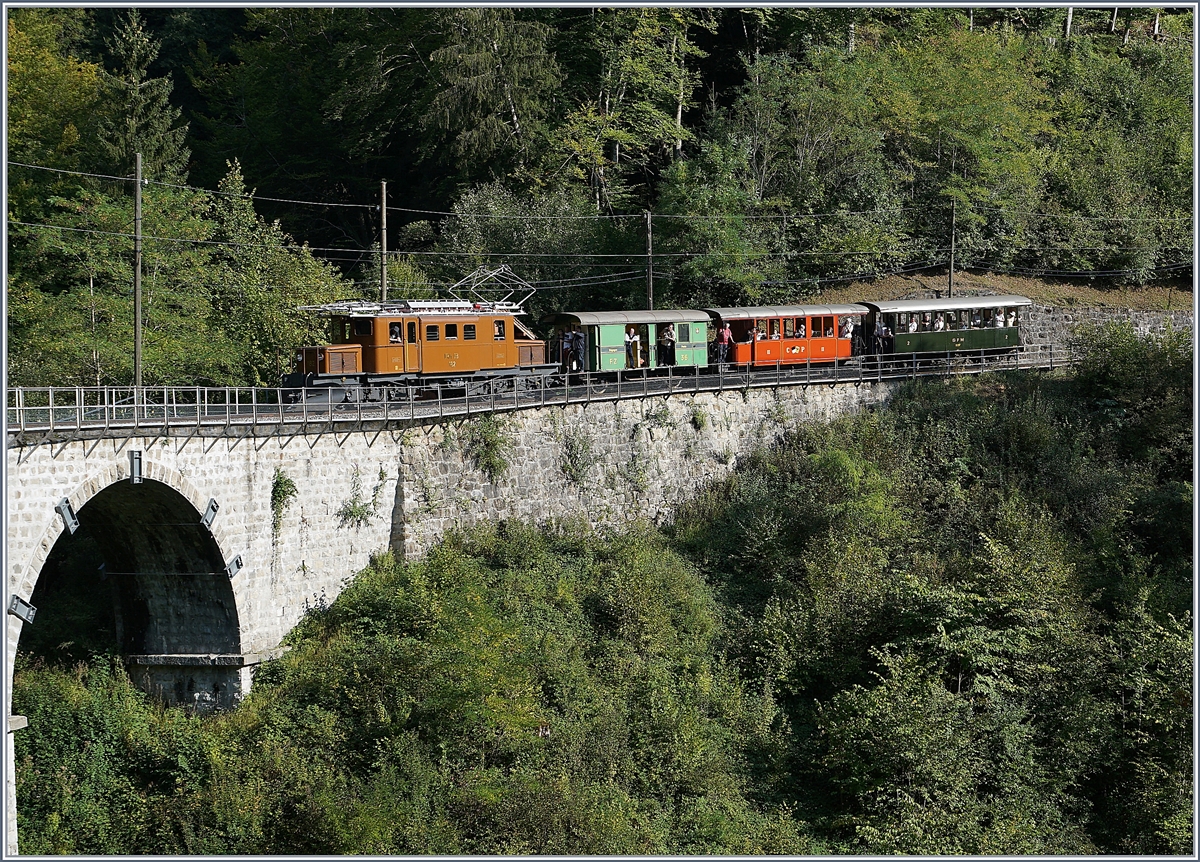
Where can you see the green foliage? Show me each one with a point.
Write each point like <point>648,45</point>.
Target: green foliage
<point>142,119</point>
<point>517,691</point>
<point>659,417</point>
<point>578,455</point>
<point>283,489</point>
<point>942,597</point>
<point>358,511</point>
<point>488,441</point>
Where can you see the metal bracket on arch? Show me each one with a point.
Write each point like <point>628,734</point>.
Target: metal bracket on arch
<point>235,566</point>
<point>68,515</point>
<point>21,609</point>
<point>209,514</point>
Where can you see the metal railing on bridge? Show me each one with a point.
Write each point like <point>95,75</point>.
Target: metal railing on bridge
<point>105,411</point>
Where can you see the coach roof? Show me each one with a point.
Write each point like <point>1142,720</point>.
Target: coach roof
<point>950,303</point>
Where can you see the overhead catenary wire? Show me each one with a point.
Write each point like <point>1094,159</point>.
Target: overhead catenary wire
<point>793,216</point>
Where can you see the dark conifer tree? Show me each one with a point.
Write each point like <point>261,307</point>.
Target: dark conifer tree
<point>142,118</point>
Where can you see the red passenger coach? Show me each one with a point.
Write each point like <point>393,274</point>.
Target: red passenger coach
<point>791,334</point>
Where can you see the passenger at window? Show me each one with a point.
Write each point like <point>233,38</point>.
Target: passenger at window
<point>999,318</point>
<point>912,323</point>
<point>847,328</point>
<point>1012,317</point>
<point>633,343</point>
<point>394,335</point>
<point>939,323</point>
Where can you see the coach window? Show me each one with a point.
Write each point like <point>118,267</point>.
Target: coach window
<point>362,326</point>
<point>431,332</point>
<point>683,333</point>
<point>452,331</point>
<point>498,331</point>
<point>468,332</point>
<point>412,332</point>
<point>789,327</point>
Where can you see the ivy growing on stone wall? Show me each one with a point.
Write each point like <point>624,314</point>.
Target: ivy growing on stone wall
<point>283,489</point>
<point>578,455</point>
<point>488,442</point>
<point>358,511</point>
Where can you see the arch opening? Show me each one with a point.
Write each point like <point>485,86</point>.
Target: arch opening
<point>142,577</point>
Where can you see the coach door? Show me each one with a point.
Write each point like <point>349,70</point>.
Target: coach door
<point>412,344</point>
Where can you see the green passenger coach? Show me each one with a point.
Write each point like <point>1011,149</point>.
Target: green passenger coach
<point>624,340</point>
<point>950,323</point>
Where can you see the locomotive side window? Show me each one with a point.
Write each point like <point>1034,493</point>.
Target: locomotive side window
<point>431,332</point>
<point>412,332</point>
<point>468,332</point>
<point>362,326</point>
<point>499,331</point>
<point>451,330</point>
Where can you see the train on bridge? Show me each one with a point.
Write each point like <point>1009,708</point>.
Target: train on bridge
<point>391,347</point>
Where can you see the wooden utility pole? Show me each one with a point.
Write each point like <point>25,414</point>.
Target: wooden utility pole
<point>953,206</point>
<point>383,241</point>
<point>649,262</point>
<point>137,270</point>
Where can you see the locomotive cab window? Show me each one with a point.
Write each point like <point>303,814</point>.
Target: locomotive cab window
<point>412,332</point>
<point>451,330</point>
<point>362,326</point>
<point>498,331</point>
<point>431,332</point>
<point>468,332</point>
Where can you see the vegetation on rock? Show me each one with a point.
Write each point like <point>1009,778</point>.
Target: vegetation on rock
<point>960,625</point>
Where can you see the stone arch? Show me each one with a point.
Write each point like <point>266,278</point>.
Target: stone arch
<point>179,624</point>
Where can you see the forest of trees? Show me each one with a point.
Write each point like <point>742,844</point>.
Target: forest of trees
<point>778,150</point>
<point>958,626</point>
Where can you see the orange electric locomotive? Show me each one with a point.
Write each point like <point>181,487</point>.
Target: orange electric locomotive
<point>400,343</point>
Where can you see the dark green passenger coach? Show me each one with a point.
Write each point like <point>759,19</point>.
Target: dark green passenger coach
<point>950,323</point>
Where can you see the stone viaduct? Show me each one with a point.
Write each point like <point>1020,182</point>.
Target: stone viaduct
<point>231,534</point>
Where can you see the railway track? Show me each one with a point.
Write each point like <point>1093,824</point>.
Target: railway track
<point>63,413</point>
